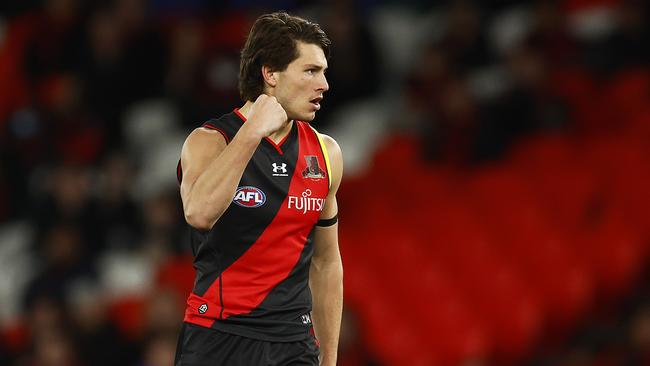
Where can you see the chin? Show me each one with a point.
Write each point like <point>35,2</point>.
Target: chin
<point>305,117</point>
<point>309,117</point>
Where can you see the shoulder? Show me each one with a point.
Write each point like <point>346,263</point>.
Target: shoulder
<point>333,149</point>
<point>330,143</point>
<point>210,131</point>
<point>205,137</point>
<point>201,144</point>
<point>332,146</point>
<point>335,159</point>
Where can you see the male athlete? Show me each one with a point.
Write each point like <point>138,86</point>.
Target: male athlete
<point>259,191</point>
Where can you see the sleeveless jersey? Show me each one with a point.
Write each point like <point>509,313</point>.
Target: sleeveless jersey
<point>252,267</point>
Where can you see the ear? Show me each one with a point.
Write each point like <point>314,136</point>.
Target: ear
<point>269,76</point>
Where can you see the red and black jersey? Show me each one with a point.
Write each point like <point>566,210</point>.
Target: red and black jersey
<point>252,267</point>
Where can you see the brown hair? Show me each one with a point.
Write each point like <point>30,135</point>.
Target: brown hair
<point>272,43</point>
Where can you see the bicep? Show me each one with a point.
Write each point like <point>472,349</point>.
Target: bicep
<point>326,242</point>
<point>201,147</point>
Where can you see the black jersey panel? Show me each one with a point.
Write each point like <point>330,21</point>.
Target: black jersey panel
<point>240,226</point>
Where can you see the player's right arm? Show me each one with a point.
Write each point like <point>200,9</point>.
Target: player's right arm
<point>212,169</point>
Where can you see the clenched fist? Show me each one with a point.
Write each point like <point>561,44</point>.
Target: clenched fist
<point>266,116</point>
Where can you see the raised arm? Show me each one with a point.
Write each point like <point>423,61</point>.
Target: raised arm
<point>212,169</point>
<point>326,272</point>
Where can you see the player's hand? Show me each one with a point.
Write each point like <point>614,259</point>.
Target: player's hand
<point>267,115</point>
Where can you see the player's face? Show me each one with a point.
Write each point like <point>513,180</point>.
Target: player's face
<point>300,87</point>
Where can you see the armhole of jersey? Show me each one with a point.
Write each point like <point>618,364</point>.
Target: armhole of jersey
<point>210,126</point>
<point>326,155</point>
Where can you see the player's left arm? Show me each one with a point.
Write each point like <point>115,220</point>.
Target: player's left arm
<point>326,272</point>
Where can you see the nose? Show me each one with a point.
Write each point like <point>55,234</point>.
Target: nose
<point>323,86</point>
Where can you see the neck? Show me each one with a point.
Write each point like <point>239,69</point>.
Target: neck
<point>276,136</point>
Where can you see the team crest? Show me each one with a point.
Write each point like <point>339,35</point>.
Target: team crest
<point>313,170</point>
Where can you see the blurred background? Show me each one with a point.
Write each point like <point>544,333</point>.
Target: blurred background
<point>495,208</point>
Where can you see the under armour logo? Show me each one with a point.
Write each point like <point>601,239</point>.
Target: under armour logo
<point>277,168</point>
<point>280,169</point>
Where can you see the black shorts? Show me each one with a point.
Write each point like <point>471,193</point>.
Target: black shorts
<point>199,346</point>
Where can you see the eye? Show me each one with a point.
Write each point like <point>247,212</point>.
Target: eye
<point>311,71</point>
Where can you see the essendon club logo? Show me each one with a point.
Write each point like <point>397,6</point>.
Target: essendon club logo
<point>313,170</point>
<point>249,196</point>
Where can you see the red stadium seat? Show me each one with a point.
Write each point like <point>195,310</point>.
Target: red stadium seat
<point>177,274</point>
<point>500,256</point>
<point>498,295</point>
<point>617,254</point>
<point>128,315</point>
<point>388,336</point>
<point>536,245</point>
<point>629,94</point>
<point>15,336</point>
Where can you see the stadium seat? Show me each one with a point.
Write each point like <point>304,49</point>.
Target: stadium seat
<point>617,254</point>
<point>177,273</point>
<point>127,313</point>
<point>629,94</point>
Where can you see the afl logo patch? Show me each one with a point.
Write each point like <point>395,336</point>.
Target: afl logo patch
<point>203,308</point>
<point>249,196</point>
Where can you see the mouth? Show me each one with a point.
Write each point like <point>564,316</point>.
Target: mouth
<point>316,102</point>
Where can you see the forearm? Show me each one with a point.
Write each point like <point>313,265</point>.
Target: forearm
<point>326,282</point>
<point>213,190</point>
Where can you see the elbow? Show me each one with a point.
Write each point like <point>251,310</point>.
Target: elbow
<point>198,220</point>
<point>202,214</point>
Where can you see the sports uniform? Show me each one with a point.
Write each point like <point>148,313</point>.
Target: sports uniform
<point>252,268</point>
